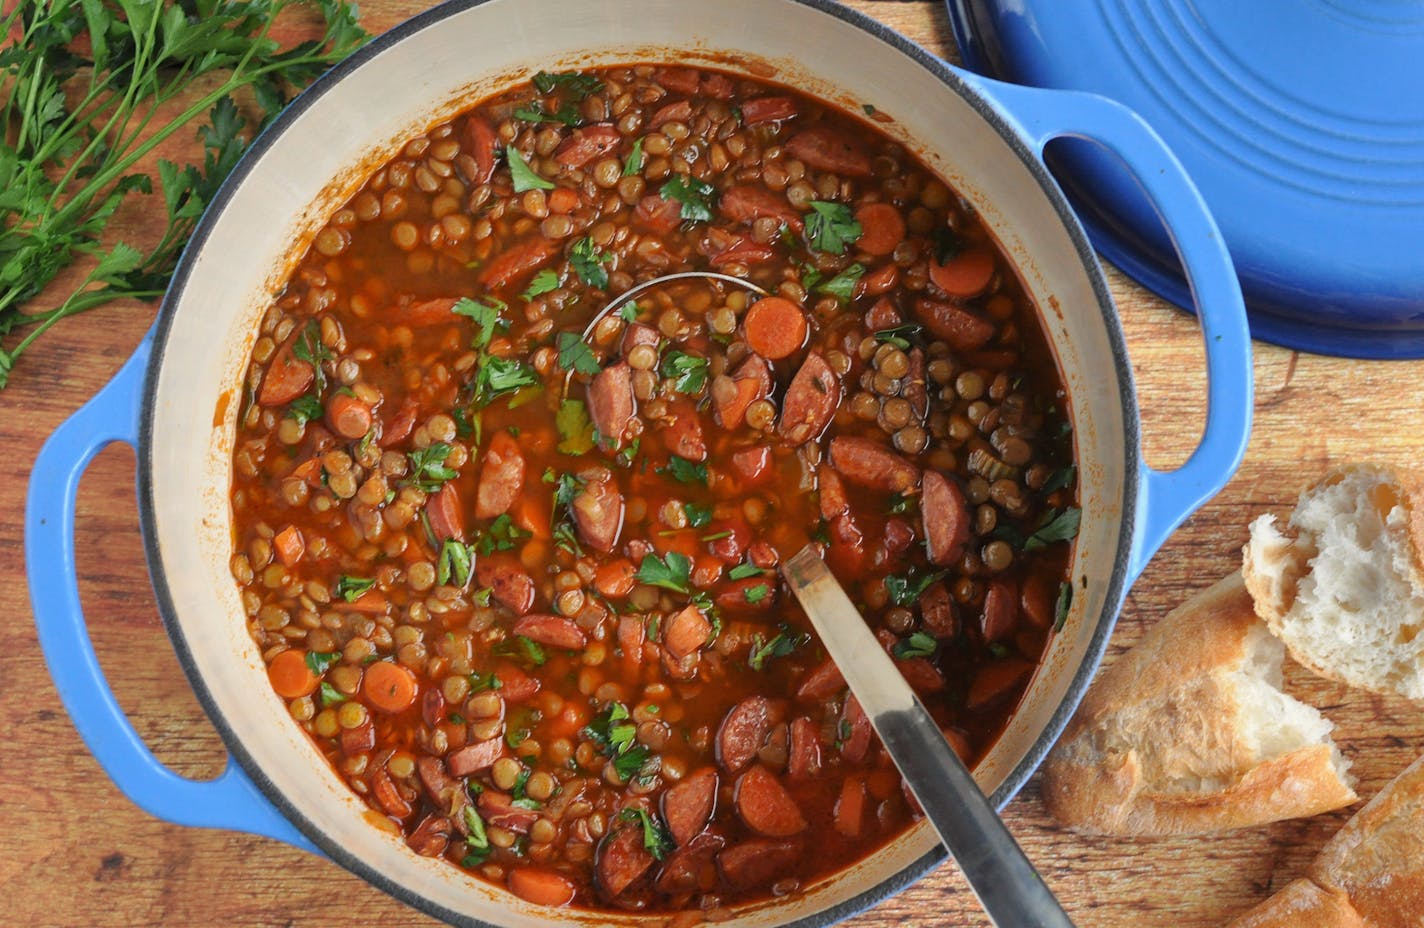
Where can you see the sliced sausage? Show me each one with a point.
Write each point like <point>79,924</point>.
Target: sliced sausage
<point>358,740</point>
<point>507,581</point>
<point>752,464</point>
<point>433,777</point>
<point>849,814</point>
<point>348,417</point>
<point>679,111</point>
<point>751,381</point>
<point>916,388</point>
<point>498,809</point>
<point>945,510</point>
<point>883,315</point>
<point>767,109</point>
<point>516,262</point>
<point>611,404</point>
<point>621,860</point>
<point>473,758</point>
<point>688,806</point>
<point>1037,600</point>
<point>287,376</point>
<point>685,81</point>
<point>638,334</point>
<point>937,613</point>
<point>865,463</point>
<point>765,805</point>
<point>387,795</point>
<point>586,144</point>
<point>922,675</point>
<point>446,514</point>
<point>432,706</point>
<point>803,759</point>
<point>658,214</point>
<point>692,868</point>
<point>540,886</point>
<point>775,327</point>
<point>747,203</point>
<point>826,149</point>
<point>995,681</point>
<point>598,509</point>
<point>682,431</point>
<point>748,864</point>
<point>831,493</point>
<point>811,401</point>
<point>743,730</point>
<point>501,476</point>
<point>425,313</point>
<point>515,685</point>
<point>400,426</point>
<point>431,837</point>
<point>855,731</point>
<point>821,683</point>
<point>962,329</point>
<point>1000,614</point>
<point>742,250</point>
<point>552,630</point>
<point>717,86</point>
<point>686,632</point>
<point>482,144</point>
<point>747,594</point>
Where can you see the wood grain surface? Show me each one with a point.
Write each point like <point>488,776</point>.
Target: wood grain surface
<point>75,852</point>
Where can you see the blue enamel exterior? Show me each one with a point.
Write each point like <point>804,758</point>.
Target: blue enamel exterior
<point>1165,499</point>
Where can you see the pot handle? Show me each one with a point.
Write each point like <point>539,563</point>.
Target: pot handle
<point>1167,497</point>
<point>229,801</point>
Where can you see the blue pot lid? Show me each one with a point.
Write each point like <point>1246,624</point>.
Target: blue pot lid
<point>1301,122</point>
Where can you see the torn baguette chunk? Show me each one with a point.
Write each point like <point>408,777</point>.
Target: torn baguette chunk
<point>1371,873</point>
<point>1189,732</point>
<point>1341,583</point>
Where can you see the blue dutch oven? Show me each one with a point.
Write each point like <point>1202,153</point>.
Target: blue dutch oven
<point>176,399</point>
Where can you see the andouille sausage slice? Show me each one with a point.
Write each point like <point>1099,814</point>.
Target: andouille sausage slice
<point>962,329</point>
<point>507,581</point>
<point>803,758</point>
<point>437,783</point>
<point>482,144</point>
<point>686,632</point>
<point>658,214</point>
<point>917,388</point>
<point>501,476</point>
<point>767,109</point>
<point>552,630</point>
<point>1000,614</point>
<point>446,513</point>
<point>677,111</point>
<point>621,860</point>
<point>499,809</point>
<point>765,806</point>
<point>747,203</point>
<point>584,145</point>
<point>820,683</point>
<point>682,431</point>
<point>287,377</point>
<point>831,493</point>
<point>743,730</point>
<point>937,613</point>
<point>431,837</point>
<point>811,401</point>
<point>387,795</point>
<point>517,261</point>
<point>874,466</point>
<point>611,404</point>
<point>638,334</point>
<point>856,742</point>
<point>472,758</point>
<point>688,806</point>
<point>401,425</point>
<point>826,149</point>
<point>598,509</point>
<point>945,511</point>
<point>691,868</point>
<point>758,861</point>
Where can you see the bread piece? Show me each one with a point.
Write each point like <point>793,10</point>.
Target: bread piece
<point>1341,584</point>
<point>1371,873</point>
<point>1189,732</point>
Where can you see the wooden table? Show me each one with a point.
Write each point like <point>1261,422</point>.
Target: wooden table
<point>74,851</point>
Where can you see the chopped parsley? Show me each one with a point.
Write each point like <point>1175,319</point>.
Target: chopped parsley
<point>697,516</point>
<point>615,736</point>
<point>906,590</point>
<point>830,227</point>
<point>688,371</point>
<point>330,695</point>
<point>842,286</point>
<point>501,535</point>
<point>522,174</point>
<point>521,647</point>
<point>634,162</point>
<point>694,195</point>
<point>657,841</point>
<point>477,840</point>
<point>500,376</point>
<point>673,572</point>
<point>784,642</point>
<point>310,348</point>
<point>319,662</point>
<point>457,559</point>
<point>756,593</point>
<point>1060,608</point>
<point>1058,480</point>
<point>629,311</point>
<point>479,682</point>
<point>919,644</point>
<point>427,467</point>
<point>1055,526</point>
<point>543,282</point>
<point>901,504</point>
<point>574,427</point>
<point>305,409</point>
<point>535,113</point>
<point>899,335</point>
<point>575,84</point>
<point>588,263</point>
<point>487,317</point>
<point>684,471</point>
<point>575,354</point>
<point>351,589</point>
<point>743,571</point>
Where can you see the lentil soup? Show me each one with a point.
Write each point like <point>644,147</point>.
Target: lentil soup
<point>509,545</point>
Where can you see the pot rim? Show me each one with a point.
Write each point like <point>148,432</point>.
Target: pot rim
<point>1116,588</point>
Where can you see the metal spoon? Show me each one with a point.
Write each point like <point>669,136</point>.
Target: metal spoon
<point>1005,882</point>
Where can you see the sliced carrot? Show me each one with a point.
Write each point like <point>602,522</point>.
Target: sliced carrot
<point>615,579</point>
<point>291,677</point>
<point>850,807</point>
<point>966,274</point>
<point>309,471</point>
<point>289,545</point>
<point>348,416</point>
<point>881,228</point>
<point>369,602</point>
<point>541,887</point>
<point>389,687</point>
<point>775,327</point>
<point>562,200</point>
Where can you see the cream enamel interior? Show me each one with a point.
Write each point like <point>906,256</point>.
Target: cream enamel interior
<point>427,75</point>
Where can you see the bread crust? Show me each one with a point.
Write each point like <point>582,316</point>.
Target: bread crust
<point>1276,558</point>
<point>1166,696</point>
<point>1370,873</point>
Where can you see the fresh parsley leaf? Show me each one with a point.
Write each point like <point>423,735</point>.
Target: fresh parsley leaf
<point>1055,526</point>
<point>946,245</point>
<point>842,286</point>
<point>743,571</point>
<point>899,335</point>
<point>457,560</point>
<point>501,535</point>
<point>330,695</point>
<point>535,113</point>
<point>574,84</point>
<point>522,174</point>
<point>566,487</point>
<point>688,371</point>
<point>501,376</point>
<point>574,427</point>
<point>868,108</point>
<point>906,590</point>
<point>427,467</point>
<point>319,662</point>
<point>611,731</point>
<point>310,348</point>
<point>514,737</point>
<point>588,263</point>
<point>628,765</point>
<point>784,642</point>
<point>629,311</point>
<point>657,840</point>
<point>696,197</point>
<point>901,504</point>
<point>305,409</point>
<point>627,455</point>
<point>830,227</point>
<point>567,538</point>
<point>756,593</point>
<point>673,572</point>
<point>697,516</point>
<point>352,588</point>
<point>634,162</point>
<point>487,317</point>
<point>1061,607</point>
<point>479,682</point>
<point>811,277</point>
<point>685,471</point>
<point>545,281</point>
<point>521,647</point>
<point>575,354</point>
<point>1059,479</point>
<point>919,644</point>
